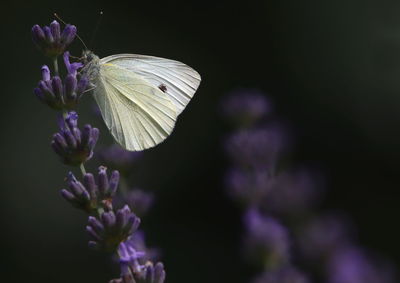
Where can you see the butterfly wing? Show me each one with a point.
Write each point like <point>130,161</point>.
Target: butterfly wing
<point>177,80</point>
<point>138,115</point>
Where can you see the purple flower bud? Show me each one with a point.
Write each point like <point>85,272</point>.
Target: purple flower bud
<point>92,233</point>
<point>90,184</point>
<point>122,217</point>
<point>70,87</point>
<point>152,274</point>
<point>114,180</point>
<point>45,73</point>
<point>57,87</point>
<point>96,225</point>
<point>39,94</point>
<point>102,179</point>
<point>71,68</point>
<point>68,34</point>
<point>50,40</point>
<point>38,36</point>
<point>48,35</point>
<point>55,30</point>
<point>67,195</point>
<point>108,219</point>
<point>71,141</point>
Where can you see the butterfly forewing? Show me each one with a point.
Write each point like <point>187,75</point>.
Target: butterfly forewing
<point>138,114</point>
<point>177,80</point>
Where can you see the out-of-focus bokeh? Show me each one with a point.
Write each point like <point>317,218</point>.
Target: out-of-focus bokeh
<point>332,69</point>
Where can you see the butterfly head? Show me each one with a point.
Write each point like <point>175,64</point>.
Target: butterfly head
<point>89,57</point>
<point>91,64</point>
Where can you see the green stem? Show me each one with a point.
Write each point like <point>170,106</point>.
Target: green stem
<point>83,169</point>
<point>55,64</point>
<point>100,211</point>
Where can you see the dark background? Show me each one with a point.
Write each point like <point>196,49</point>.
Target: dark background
<point>331,67</point>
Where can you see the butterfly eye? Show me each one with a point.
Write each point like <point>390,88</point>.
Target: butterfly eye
<point>163,88</point>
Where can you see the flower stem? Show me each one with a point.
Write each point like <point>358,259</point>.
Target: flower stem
<point>55,63</point>
<point>83,169</point>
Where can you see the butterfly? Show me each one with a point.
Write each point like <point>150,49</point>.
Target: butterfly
<point>140,97</point>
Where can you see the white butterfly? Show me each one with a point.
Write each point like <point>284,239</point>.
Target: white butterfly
<point>140,97</point>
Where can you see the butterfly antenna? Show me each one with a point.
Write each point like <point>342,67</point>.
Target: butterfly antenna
<point>96,28</point>
<point>80,39</point>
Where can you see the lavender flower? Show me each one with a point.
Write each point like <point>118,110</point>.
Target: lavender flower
<point>245,107</point>
<point>248,186</point>
<point>133,272</point>
<point>73,145</point>
<point>257,147</point>
<point>138,200</point>
<point>137,241</point>
<point>284,275</point>
<point>90,195</point>
<point>352,265</point>
<point>293,193</point>
<point>112,228</point>
<point>266,240</point>
<point>50,40</point>
<point>322,235</point>
<point>58,94</point>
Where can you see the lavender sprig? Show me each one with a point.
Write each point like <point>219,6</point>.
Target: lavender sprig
<point>109,229</point>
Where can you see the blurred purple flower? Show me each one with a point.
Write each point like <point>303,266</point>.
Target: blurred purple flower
<point>50,40</point>
<point>118,158</point>
<point>248,186</point>
<point>245,106</point>
<point>324,234</point>
<point>259,147</point>
<point>293,193</point>
<point>284,275</point>
<point>352,265</point>
<point>137,241</point>
<point>73,145</point>
<point>138,200</point>
<point>266,241</point>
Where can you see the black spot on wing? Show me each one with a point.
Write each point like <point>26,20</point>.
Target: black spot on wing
<point>163,88</point>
